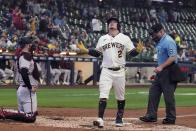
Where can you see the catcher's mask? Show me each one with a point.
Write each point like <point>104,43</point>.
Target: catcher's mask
<point>114,19</point>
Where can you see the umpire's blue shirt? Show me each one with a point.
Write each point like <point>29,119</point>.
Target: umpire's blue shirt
<point>165,48</point>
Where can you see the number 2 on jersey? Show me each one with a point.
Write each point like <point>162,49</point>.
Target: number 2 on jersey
<point>119,53</point>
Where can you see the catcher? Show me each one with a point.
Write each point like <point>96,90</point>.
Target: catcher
<point>113,48</point>
<point>28,83</point>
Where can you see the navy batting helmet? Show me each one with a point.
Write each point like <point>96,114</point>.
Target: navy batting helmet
<point>114,19</point>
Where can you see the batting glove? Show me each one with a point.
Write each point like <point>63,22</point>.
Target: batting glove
<point>140,46</point>
<point>82,48</point>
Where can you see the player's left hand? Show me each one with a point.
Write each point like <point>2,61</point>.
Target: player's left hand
<point>140,46</point>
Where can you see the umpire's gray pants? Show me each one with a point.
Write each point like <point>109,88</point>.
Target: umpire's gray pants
<point>163,85</point>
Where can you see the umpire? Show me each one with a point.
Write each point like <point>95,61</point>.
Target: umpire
<point>166,56</point>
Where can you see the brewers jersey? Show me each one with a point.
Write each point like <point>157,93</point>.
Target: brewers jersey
<point>114,49</point>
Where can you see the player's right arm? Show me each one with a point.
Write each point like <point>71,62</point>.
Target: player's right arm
<point>92,52</point>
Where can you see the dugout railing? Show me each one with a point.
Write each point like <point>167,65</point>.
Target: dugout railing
<point>187,67</point>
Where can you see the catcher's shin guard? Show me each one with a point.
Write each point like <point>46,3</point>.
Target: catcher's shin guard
<point>18,116</point>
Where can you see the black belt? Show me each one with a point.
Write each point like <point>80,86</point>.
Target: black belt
<point>114,69</point>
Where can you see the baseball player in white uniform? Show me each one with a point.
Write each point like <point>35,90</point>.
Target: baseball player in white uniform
<point>113,47</point>
<point>28,83</point>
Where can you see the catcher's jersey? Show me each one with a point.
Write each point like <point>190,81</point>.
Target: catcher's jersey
<point>23,63</point>
<point>114,49</point>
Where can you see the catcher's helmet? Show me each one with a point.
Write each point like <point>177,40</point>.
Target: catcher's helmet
<point>114,19</point>
<point>25,40</point>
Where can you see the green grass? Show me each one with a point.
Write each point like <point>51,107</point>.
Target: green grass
<point>88,98</point>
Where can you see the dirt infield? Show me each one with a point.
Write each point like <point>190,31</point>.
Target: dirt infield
<point>75,119</point>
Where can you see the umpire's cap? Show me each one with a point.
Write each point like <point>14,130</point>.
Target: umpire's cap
<point>155,28</point>
<point>115,19</point>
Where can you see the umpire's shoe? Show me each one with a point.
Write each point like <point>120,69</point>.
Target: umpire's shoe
<point>148,119</point>
<point>99,123</point>
<point>168,121</point>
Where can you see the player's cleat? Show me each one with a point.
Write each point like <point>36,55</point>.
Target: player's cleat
<point>66,83</point>
<point>168,121</point>
<point>119,122</point>
<point>58,83</point>
<point>99,123</point>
